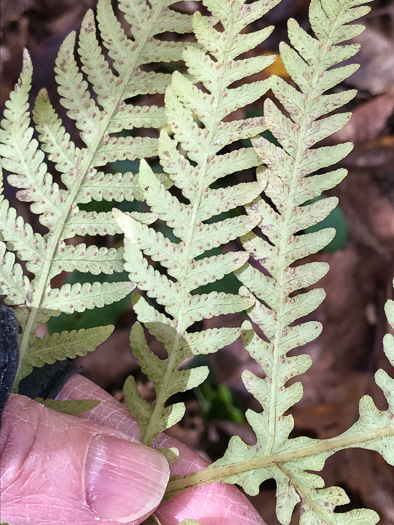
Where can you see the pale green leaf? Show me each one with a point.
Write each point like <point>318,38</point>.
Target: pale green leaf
<point>57,347</point>
<point>95,88</point>
<point>209,341</point>
<point>114,38</point>
<point>74,90</point>
<point>87,259</point>
<point>86,296</point>
<point>101,223</point>
<point>107,186</point>
<point>213,304</point>
<point>221,200</point>
<point>138,407</point>
<point>211,269</point>
<point>13,283</point>
<point>210,236</point>
<point>94,64</point>
<point>124,148</point>
<point>55,140</point>
<point>147,313</point>
<point>20,237</point>
<point>129,117</point>
<point>72,407</point>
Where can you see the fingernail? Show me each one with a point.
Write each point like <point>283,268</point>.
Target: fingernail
<point>123,480</point>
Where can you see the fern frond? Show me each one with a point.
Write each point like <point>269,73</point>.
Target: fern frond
<point>290,179</point>
<point>282,218</point>
<point>100,118</point>
<point>193,162</point>
<point>20,236</point>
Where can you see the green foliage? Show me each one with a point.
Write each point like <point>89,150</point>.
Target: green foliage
<point>177,253</point>
<point>99,120</point>
<point>218,403</point>
<point>193,161</point>
<point>74,407</point>
<point>290,172</point>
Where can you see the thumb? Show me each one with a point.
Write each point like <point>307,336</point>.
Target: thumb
<point>57,469</point>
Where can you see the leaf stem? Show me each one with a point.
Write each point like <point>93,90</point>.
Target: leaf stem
<point>216,474</point>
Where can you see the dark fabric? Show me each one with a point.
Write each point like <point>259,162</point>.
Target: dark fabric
<point>45,382</point>
<point>9,353</point>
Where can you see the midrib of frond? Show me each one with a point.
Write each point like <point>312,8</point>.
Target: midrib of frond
<point>147,438</point>
<point>88,156</point>
<point>303,132</point>
<point>216,474</point>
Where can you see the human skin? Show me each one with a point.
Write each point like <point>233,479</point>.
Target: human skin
<point>48,475</point>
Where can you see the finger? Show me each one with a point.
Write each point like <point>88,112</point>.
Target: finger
<point>211,504</point>
<point>57,469</point>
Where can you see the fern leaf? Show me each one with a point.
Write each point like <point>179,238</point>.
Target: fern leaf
<point>87,259</point>
<point>86,296</point>
<point>100,118</point>
<point>211,269</point>
<point>57,347</point>
<point>55,141</point>
<point>74,90</point>
<point>108,186</point>
<point>20,237</point>
<point>281,221</point>
<point>73,407</point>
<point>95,66</point>
<point>13,283</point>
<point>289,167</point>
<point>102,223</point>
<point>196,120</point>
<point>21,157</point>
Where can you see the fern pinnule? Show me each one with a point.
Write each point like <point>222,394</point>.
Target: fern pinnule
<point>193,160</point>
<point>100,118</point>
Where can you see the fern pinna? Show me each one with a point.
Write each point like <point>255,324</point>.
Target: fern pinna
<point>100,119</point>
<point>193,161</point>
<point>290,172</point>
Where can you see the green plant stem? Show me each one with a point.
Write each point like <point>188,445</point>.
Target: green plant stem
<point>54,239</point>
<point>216,474</point>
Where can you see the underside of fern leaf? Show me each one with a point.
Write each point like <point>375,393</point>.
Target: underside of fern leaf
<point>292,174</point>
<point>192,159</point>
<point>116,79</point>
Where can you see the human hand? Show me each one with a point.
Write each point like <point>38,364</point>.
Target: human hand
<point>61,470</point>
